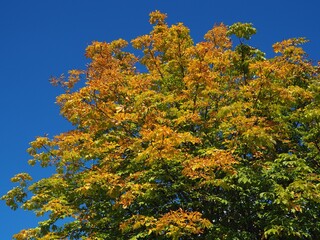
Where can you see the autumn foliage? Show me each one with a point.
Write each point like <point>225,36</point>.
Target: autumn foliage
<point>182,141</point>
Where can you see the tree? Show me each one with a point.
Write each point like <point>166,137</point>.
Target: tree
<point>204,141</point>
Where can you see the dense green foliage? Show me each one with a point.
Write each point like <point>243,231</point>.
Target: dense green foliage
<point>212,141</point>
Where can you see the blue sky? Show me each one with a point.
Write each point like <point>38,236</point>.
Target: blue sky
<point>40,39</point>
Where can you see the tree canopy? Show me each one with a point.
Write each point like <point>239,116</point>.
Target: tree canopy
<point>177,140</point>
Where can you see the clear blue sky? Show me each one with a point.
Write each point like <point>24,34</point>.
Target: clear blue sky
<point>43,38</point>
